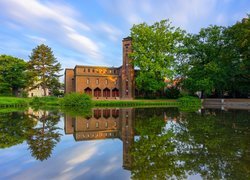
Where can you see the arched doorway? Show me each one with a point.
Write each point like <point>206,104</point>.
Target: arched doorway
<point>115,113</point>
<point>115,92</point>
<point>97,92</point>
<point>106,92</point>
<point>97,113</point>
<point>88,91</point>
<point>106,113</point>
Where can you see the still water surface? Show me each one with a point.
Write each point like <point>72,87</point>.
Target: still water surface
<point>125,143</point>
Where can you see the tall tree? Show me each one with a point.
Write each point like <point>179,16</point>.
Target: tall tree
<point>154,49</point>
<point>13,74</point>
<point>44,66</point>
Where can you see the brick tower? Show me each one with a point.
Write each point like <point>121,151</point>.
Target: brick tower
<point>127,73</point>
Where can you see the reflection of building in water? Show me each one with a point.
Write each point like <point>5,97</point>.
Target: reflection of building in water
<point>103,124</point>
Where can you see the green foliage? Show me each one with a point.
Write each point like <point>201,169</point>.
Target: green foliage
<point>172,92</point>
<point>44,101</point>
<point>189,104</point>
<point>13,75</point>
<point>216,60</point>
<point>154,48</point>
<point>76,100</point>
<point>44,67</point>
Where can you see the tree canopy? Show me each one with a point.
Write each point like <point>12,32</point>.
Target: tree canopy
<point>214,61</point>
<point>44,66</point>
<point>154,48</point>
<point>13,75</point>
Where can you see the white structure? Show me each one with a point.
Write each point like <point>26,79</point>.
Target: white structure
<point>37,92</point>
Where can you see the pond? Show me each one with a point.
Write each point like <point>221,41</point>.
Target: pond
<point>125,143</point>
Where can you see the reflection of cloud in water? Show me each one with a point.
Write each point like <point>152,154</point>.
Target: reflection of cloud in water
<point>76,160</point>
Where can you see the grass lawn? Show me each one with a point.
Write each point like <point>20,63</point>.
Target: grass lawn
<point>54,101</point>
<point>139,102</point>
<point>13,101</point>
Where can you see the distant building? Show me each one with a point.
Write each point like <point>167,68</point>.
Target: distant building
<point>104,82</point>
<point>37,92</point>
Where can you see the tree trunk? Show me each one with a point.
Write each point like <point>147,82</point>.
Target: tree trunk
<point>15,92</point>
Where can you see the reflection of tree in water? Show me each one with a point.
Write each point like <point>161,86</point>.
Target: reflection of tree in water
<point>215,145</point>
<point>14,127</point>
<point>44,137</point>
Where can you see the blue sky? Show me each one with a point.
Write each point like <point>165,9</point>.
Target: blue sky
<point>82,32</point>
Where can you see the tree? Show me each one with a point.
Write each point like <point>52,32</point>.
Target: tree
<point>55,87</point>
<point>44,66</point>
<point>154,48</point>
<point>205,69</point>
<point>13,74</point>
<point>238,54</point>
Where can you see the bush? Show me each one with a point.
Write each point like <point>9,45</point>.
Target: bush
<point>76,99</point>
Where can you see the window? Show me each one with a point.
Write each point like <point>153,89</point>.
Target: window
<point>88,70</point>
<point>106,124</point>
<point>110,71</point>
<point>115,71</point>
<point>97,81</point>
<point>84,70</point>
<point>115,81</point>
<point>106,81</point>
<point>88,81</point>
<point>87,125</point>
<point>93,70</point>
<point>97,125</point>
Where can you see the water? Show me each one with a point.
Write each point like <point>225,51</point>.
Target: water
<point>125,143</point>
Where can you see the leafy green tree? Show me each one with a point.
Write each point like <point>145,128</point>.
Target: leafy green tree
<point>237,56</point>
<point>154,48</point>
<point>13,75</point>
<point>205,69</point>
<point>55,87</point>
<point>44,66</point>
<point>44,137</point>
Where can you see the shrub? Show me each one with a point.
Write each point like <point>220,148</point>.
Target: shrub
<point>76,99</point>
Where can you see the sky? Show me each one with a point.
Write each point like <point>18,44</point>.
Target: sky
<point>90,32</point>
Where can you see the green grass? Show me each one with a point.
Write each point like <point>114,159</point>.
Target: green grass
<point>183,103</point>
<point>13,102</point>
<point>135,103</point>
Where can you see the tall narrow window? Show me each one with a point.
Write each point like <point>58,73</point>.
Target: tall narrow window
<point>97,81</point>
<point>88,70</point>
<point>106,81</point>
<point>88,81</point>
<point>97,125</point>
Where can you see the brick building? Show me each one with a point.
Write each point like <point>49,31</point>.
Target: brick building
<point>104,82</point>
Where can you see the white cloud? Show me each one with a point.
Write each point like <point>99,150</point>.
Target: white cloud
<point>53,21</point>
<point>112,32</point>
<point>37,39</point>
